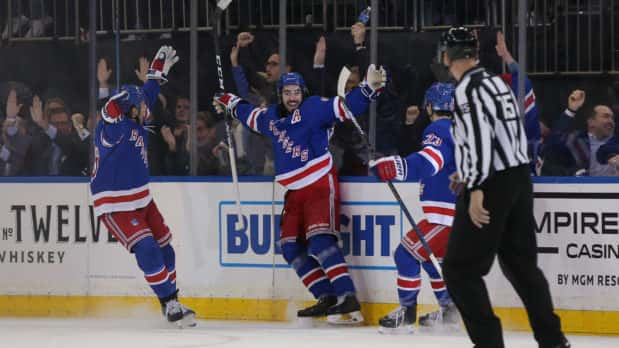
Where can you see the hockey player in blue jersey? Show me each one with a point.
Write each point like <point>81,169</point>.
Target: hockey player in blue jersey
<point>119,186</point>
<point>431,167</point>
<point>299,128</point>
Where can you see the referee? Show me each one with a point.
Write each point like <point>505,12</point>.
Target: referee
<point>494,213</point>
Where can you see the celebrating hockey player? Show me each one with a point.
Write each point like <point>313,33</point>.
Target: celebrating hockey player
<point>299,128</point>
<point>432,167</point>
<point>119,186</point>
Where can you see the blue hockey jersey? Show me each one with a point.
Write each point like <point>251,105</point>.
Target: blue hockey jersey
<point>120,176</point>
<point>531,113</point>
<point>431,167</point>
<point>301,139</point>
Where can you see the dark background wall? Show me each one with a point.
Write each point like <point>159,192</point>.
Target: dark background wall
<point>61,68</point>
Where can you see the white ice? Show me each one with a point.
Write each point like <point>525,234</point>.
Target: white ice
<point>153,333</point>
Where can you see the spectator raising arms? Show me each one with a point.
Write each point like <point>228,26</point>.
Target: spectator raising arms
<point>531,113</point>
<point>573,152</point>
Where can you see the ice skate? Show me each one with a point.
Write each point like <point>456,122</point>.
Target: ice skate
<point>179,315</point>
<point>445,316</point>
<point>399,321</point>
<point>564,344</point>
<point>319,309</point>
<point>346,311</point>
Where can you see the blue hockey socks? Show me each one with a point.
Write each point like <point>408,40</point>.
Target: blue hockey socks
<point>409,280</point>
<point>438,284</point>
<point>150,260</point>
<point>308,269</point>
<point>323,248</point>
<point>169,259</point>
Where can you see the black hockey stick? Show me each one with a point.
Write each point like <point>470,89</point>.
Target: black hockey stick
<point>394,191</point>
<point>222,5</point>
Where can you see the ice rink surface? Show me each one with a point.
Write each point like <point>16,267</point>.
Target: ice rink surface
<point>153,333</point>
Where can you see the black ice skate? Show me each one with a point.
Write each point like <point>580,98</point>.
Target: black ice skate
<point>176,313</point>
<point>445,315</point>
<point>320,308</point>
<point>347,310</point>
<point>399,321</point>
<point>564,344</point>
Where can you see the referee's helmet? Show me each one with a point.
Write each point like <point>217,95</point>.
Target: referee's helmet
<point>458,43</point>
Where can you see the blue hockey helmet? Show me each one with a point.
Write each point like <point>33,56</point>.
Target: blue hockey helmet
<point>440,96</point>
<point>135,96</point>
<point>288,79</point>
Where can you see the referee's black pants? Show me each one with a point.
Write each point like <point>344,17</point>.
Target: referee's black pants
<point>508,195</point>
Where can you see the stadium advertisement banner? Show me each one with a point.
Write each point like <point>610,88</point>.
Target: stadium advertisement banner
<point>51,243</point>
<point>368,234</point>
<point>578,243</point>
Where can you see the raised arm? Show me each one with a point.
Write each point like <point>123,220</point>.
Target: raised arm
<point>252,117</point>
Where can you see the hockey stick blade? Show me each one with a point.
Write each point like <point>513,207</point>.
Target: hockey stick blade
<point>341,81</point>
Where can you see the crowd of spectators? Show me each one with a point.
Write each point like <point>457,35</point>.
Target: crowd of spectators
<point>46,137</point>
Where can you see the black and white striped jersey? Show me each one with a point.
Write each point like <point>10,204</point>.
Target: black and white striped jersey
<point>488,129</point>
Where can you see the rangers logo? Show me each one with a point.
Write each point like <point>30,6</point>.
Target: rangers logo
<point>296,117</point>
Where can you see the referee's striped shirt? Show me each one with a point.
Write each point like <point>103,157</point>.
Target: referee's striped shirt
<point>487,128</point>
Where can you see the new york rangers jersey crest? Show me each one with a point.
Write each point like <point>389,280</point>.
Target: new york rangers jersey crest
<point>301,139</point>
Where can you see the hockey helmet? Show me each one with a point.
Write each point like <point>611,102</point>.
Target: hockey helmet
<point>459,43</point>
<point>440,96</point>
<point>291,78</point>
<point>135,96</point>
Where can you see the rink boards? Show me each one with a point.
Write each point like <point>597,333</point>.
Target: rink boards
<point>57,260</point>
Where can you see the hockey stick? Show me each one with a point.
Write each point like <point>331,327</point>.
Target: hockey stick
<point>372,154</point>
<point>341,81</point>
<point>221,7</point>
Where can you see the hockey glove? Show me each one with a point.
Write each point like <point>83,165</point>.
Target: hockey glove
<point>374,83</point>
<point>113,110</point>
<point>226,102</point>
<point>160,67</point>
<point>389,168</point>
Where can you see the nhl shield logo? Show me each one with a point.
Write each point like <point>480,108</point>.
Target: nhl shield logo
<point>296,117</point>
